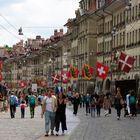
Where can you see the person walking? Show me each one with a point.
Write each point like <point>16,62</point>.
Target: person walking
<point>106,104</point>
<point>22,108</point>
<point>132,103</point>
<point>127,104</point>
<point>87,102</point>
<point>118,102</point>
<point>76,102</point>
<point>32,103</point>
<point>49,107</point>
<point>27,99</point>
<point>61,113</point>
<point>98,105</point>
<point>13,101</point>
<point>93,106</point>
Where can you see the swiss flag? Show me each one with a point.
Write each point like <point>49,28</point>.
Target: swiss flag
<point>55,78</point>
<point>125,62</point>
<point>65,76</point>
<point>101,70</point>
<point>22,84</point>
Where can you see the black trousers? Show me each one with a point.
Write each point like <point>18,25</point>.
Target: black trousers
<point>98,107</point>
<point>133,109</point>
<point>75,108</point>
<point>22,113</point>
<point>60,118</point>
<point>118,112</point>
<point>12,110</point>
<point>87,108</point>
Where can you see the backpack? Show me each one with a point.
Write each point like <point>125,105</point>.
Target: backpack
<point>32,100</point>
<point>93,103</point>
<point>132,100</point>
<point>12,100</point>
<point>22,106</point>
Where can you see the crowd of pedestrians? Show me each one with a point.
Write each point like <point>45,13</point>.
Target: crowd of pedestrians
<point>94,103</point>
<point>53,106</point>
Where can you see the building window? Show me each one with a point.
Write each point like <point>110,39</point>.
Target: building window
<point>130,38</point>
<point>139,61</point>
<point>133,37</point>
<point>139,35</point>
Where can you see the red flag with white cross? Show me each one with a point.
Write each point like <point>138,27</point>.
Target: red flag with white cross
<point>125,62</point>
<point>102,70</point>
<point>55,78</point>
<point>65,77</point>
<point>22,84</point>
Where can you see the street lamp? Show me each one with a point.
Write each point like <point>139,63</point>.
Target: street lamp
<point>20,31</point>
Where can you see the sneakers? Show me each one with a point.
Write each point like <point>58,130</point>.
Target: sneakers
<point>46,135</point>
<point>63,133</point>
<point>52,133</point>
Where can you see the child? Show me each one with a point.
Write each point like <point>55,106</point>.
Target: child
<point>22,106</point>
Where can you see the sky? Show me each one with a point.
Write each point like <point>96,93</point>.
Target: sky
<point>36,17</point>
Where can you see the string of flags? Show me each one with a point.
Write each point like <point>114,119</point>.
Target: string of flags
<point>87,73</point>
<point>125,63</point>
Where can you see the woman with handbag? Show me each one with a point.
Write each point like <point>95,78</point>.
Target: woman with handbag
<point>118,103</point>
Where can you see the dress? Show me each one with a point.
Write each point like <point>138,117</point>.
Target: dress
<point>61,115</point>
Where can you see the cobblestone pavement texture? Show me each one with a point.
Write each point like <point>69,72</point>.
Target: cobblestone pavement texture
<point>29,129</point>
<point>106,128</point>
<point>88,128</point>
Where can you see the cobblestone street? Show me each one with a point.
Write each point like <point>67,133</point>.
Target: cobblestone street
<point>102,128</point>
<point>106,128</point>
<point>27,128</point>
<point>21,129</point>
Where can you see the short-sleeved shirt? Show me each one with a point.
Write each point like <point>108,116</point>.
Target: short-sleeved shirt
<point>49,104</point>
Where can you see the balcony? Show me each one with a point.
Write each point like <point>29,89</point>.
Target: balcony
<point>100,53</point>
<point>115,5</point>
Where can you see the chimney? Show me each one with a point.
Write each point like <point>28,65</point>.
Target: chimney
<point>38,37</point>
<point>55,32</point>
<point>61,32</point>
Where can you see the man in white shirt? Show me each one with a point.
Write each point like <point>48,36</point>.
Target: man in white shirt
<point>127,102</point>
<point>49,106</point>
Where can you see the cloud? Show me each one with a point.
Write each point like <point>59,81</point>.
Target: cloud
<point>8,2</point>
<point>36,14</point>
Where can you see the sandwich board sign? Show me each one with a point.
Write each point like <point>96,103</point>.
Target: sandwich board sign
<point>34,87</point>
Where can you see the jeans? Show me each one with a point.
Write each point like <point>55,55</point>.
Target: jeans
<point>93,111</point>
<point>49,119</point>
